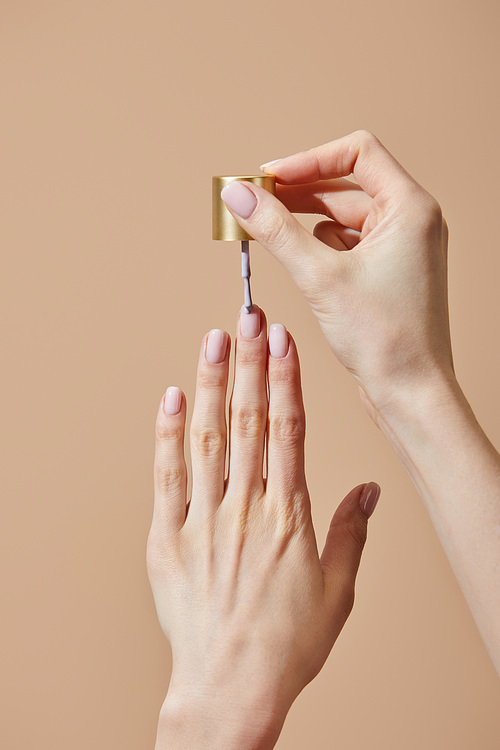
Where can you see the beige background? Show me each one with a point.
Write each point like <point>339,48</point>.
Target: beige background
<point>115,114</point>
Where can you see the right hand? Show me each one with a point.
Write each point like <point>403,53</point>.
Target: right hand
<point>375,274</point>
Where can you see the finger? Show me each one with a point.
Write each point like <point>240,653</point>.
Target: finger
<point>286,419</point>
<point>346,539</point>
<point>341,200</point>
<point>267,220</point>
<point>336,236</point>
<point>170,475</point>
<point>208,426</point>
<point>248,409</point>
<point>359,153</point>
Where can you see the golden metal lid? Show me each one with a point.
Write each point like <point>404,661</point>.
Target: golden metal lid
<point>224,227</point>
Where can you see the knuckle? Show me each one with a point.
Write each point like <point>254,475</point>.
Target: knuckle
<point>170,477</point>
<point>433,214</point>
<point>250,355</point>
<point>284,372</point>
<point>169,429</point>
<point>428,211</point>
<point>285,428</point>
<point>248,421</point>
<point>210,378</point>
<point>275,230</point>
<point>207,442</point>
<point>366,137</point>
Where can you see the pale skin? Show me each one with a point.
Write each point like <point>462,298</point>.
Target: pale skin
<point>249,606</point>
<point>375,275</point>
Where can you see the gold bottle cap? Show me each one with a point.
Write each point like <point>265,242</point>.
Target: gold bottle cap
<point>224,227</point>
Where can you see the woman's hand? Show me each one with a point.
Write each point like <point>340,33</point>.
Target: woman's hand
<point>375,276</point>
<point>374,273</point>
<point>250,608</point>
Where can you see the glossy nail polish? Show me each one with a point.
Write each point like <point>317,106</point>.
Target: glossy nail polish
<point>369,498</point>
<point>216,346</point>
<point>278,340</point>
<point>250,323</point>
<point>239,198</point>
<point>266,167</point>
<point>173,401</point>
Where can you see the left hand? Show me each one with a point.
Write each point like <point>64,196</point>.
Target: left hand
<point>250,608</point>
<point>375,273</point>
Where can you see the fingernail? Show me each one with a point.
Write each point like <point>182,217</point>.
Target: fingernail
<point>239,198</point>
<point>278,340</point>
<point>173,400</point>
<point>369,498</point>
<point>250,323</point>
<point>216,346</point>
<point>265,167</point>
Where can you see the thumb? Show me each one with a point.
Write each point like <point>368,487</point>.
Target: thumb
<point>270,223</point>
<point>346,538</point>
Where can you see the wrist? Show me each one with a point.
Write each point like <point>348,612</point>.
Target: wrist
<point>209,719</point>
<point>414,401</point>
<point>429,424</point>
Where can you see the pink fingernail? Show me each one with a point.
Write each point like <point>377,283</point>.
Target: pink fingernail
<point>173,401</point>
<point>250,323</point>
<point>239,198</point>
<point>265,167</point>
<point>369,498</point>
<point>278,340</point>
<point>216,346</point>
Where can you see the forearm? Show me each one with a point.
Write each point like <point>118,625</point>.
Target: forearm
<point>456,471</point>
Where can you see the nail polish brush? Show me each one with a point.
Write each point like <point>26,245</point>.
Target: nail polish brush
<point>245,272</point>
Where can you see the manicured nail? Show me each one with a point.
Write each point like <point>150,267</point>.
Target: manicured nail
<point>369,498</point>
<point>216,346</point>
<point>278,340</point>
<point>173,400</point>
<point>265,167</point>
<point>250,323</point>
<point>239,198</point>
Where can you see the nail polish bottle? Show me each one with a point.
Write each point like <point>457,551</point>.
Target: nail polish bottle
<point>224,227</point>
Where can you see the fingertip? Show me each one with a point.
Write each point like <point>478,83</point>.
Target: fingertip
<point>172,400</point>
<point>369,498</point>
<point>251,325</point>
<point>287,170</point>
<point>283,362</point>
<point>279,341</point>
<point>171,417</point>
<point>349,504</point>
<point>346,538</point>
<point>240,198</point>
<point>269,166</point>
<point>216,345</point>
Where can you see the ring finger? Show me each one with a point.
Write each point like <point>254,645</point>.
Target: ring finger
<point>208,426</point>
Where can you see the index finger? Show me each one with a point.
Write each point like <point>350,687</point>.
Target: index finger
<point>359,153</point>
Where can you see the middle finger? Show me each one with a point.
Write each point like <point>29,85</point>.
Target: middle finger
<point>341,200</point>
<point>248,411</point>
